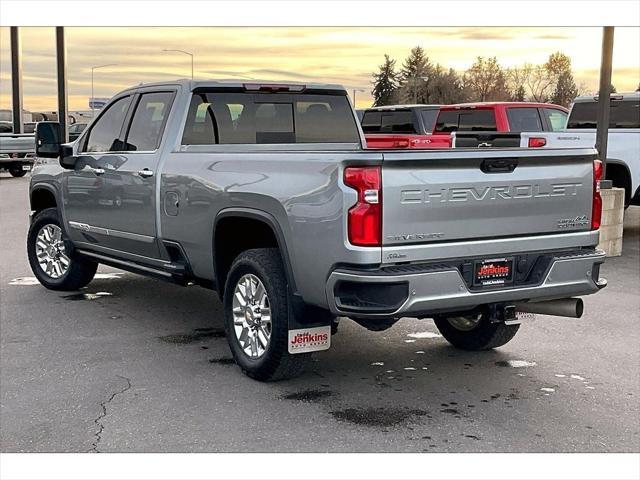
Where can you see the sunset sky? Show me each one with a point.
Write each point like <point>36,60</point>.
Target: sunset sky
<point>324,54</point>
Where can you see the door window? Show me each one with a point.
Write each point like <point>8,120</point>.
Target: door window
<point>556,119</point>
<point>105,133</point>
<point>148,121</point>
<point>524,119</point>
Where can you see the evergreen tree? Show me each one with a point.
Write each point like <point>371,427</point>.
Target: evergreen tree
<point>415,75</point>
<point>385,83</point>
<point>566,89</point>
<point>559,69</point>
<point>519,95</point>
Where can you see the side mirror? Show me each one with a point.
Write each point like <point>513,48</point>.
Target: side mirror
<point>47,139</point>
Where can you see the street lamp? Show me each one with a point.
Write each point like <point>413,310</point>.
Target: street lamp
<point>182,51</point>
<point>415,86</point>
<point>92,96</point>
<point>354,95</point>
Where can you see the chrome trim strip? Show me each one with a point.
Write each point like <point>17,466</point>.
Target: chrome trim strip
<point>478,248</point>
<point>85,227</point>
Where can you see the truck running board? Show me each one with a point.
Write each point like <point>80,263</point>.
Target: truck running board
<point>174,272</point>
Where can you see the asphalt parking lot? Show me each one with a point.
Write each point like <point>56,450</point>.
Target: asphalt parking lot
<point>131,364</point>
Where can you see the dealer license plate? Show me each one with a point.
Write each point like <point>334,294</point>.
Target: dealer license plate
<point>493,272</point>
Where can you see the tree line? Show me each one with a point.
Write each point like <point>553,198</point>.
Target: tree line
<point>419,80</point>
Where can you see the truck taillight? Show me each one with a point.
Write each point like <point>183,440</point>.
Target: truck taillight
<point>364,221</point>
<point>596,208</point>
<point>537,142</point>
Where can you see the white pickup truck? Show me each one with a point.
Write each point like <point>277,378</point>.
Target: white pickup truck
<point>623,152</point>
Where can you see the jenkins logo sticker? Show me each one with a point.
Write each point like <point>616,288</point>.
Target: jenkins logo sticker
<point>309,339</point>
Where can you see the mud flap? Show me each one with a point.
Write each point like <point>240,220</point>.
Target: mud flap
<point>309,327</point>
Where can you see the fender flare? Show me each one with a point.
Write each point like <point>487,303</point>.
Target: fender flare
<point>264,217</point>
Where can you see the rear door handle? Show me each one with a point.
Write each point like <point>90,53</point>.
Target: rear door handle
<point>146,173</point>
<point>97,171</point>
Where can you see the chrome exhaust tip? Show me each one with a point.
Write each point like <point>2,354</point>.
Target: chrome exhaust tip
<point>564,307</point>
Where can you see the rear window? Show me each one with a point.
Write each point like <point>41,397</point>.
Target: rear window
<point>623,114</point>
<point>476,120</point>
<point>247,118</point>
<point>524,120</point>
<point>397,121</point>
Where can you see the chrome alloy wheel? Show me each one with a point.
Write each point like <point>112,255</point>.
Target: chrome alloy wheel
<point>465,324</point>
<point>251,316</point>
<point>50,251</point>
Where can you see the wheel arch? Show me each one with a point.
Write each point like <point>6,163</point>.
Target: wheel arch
<point>42,196</point>
<point>221,264</point>
<point>620,175</point>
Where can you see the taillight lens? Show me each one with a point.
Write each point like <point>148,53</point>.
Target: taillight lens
<point>364,221</point>
<point>537,142</point>
<point>596,208</point>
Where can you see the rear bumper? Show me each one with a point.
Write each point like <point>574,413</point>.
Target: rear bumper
<point>438,289</point>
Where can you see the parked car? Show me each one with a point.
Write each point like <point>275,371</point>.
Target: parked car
<point>399,126</point>
<point>623,144</point>
<point>264,193</point>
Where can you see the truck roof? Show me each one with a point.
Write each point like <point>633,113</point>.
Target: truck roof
<point>398,107</point>
<point>493,104</point>
<point>235,83</point>
<point>614,96</point>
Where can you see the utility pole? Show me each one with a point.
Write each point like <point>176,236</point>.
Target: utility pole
<point>354,95</point>
<point>61,62</point>
<point>604,100</point>
<point>16,80</point>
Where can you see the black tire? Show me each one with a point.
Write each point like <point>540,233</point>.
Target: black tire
<point>484,336</point>
<point>276,363</point>
<point>80,271</point>
<point>17,171</point>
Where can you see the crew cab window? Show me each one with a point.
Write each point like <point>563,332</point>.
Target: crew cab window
<point>105,133</point>
<point>471,120</point>
<point>247,118</point>
<point>148,121</point>
<point>524,119</point>
<point>398,121</point>
<point>622,114</point>
<point>556,119</point>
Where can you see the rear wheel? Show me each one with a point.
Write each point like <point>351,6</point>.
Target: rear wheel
<point>51,263</point>
<point>17,171</point>
<point>475,332</point>
<point>256,316</point>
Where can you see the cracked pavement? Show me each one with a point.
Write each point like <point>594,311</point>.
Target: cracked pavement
<point>147,369</point>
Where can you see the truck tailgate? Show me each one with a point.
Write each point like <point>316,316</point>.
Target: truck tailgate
<point>457,195</point>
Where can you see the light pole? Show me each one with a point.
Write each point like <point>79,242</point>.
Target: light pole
<point>415,87</point>
<point>354,95</point>
<point>92,96</point>
<point>181,51</point>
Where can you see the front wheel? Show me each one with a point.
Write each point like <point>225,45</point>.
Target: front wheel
<point>51,263</point>
<point>256,317</point>
<point>475,332</point>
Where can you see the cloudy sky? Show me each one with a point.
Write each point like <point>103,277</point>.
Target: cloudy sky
<point>332,54</point>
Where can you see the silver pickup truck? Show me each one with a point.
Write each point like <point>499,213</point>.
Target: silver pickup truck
<point>17,153</point>
<point>264,193</point>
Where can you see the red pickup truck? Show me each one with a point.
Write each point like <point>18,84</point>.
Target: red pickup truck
<point>399,126</point>
<point>391,127</point>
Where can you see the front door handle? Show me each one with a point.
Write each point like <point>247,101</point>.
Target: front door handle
<point>146,173</point>
<point>97,171</point>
